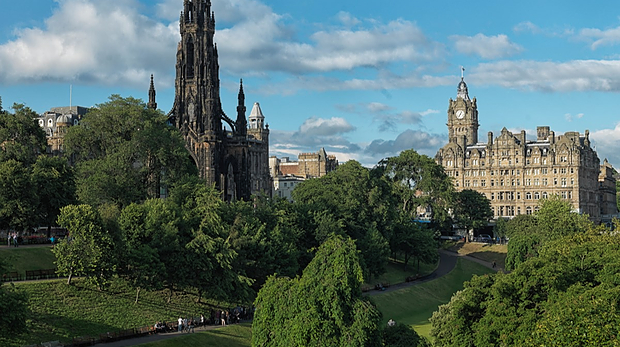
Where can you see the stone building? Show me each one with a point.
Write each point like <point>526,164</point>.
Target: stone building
<point>308,165</point>
<point>227,152</point>
<point>56,122</point>
<point>514,172</point>
<point>287,174</point>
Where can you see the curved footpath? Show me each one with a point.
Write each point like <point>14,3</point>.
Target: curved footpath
<point>447,262</point>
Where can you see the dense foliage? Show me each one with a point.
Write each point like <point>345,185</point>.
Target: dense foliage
<point>322,308</point>
<point>125,152</point>
<point>33,187</point>
<point>563,291</point>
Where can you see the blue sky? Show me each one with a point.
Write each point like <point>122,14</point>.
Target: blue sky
<point>364,79</point>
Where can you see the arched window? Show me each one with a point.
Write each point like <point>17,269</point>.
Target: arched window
<point>528,210</point>
<point>528,196</point>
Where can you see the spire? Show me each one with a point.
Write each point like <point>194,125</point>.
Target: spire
<point>152,103</point>
<point>242,124</point>
<point>461,91</point>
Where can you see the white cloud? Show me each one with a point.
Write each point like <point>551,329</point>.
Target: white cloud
<point>576,75</point>
<point>420,141</point>
<point>607,142</point>
<point>347,19</point>
<point>92,42</point>
<point>527,27</point>
<point>487,47</point>
<point>569,117</point>
<point>325,127</point>
<point>607,37</point>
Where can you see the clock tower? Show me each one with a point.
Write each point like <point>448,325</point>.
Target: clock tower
<point>463,116</point>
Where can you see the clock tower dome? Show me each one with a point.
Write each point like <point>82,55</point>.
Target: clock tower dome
<point>463,116</point>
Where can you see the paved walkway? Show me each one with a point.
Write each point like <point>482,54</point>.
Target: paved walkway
<point>447,262</point>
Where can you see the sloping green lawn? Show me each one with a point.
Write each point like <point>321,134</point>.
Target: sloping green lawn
<point>62,312</point>
<point>415,305</point>
<point>22,259</point>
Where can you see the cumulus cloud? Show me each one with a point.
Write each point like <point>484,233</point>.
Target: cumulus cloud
<point>600,37</point>
<point>607,142</point>
<point>576,75</point>
<point>420,141</point>
<point>325,127</point>
<point>92,42</point>
<point>487,47</point>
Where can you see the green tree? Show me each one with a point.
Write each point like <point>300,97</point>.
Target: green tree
<point>419,182</point>
<point>88,251</point>
<point>472,209</point>
<point>54,184</point>
<point>357,202</point>
<point>17,196</point>
<point>125,153</point>
<point>149,232</point>
<point>21,138</point>
<point>322,308</point>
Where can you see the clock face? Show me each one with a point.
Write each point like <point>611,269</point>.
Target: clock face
<point>460,114</point>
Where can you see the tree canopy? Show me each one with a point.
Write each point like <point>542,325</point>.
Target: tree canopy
<point>125,153</point>
<point>322,308</point>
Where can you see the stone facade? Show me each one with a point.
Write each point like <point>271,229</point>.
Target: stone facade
<point>236,159</point>
<point>308,165</point>
<point>288,174</point>
<point>514,172</point>
<point>56,122</point>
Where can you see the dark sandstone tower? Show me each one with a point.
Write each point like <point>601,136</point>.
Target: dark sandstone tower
<point>226,153</point>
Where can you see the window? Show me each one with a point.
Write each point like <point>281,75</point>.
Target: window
<point>483,183</point>
<point>564,182</point>
<point>528,210</point>
<point>518,195</point>
<point>528,196</point>
<point>545,195</point>
<point>536,195</point>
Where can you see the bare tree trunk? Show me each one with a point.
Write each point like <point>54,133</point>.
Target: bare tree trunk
<point>169,295</point>
<point>69,278</point>
<point>137,294</point>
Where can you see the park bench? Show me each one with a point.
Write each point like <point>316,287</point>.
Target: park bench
<point>40,274</point>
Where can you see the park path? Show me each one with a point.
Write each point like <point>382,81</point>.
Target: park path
<point>447,263</point>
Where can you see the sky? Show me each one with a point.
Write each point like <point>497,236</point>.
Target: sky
<point>363,79</point>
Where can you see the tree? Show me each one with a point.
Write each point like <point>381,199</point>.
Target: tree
<point>88,251</point>
<point>125,153</point>
<point>472,209</point>
<point>414,239</point>
<point>418,182</point>
<point>322,308</point>
<point>356,202</point>
<point>21,138</point>
<point>54,184</point>
<point>17,196</point>
<point>149,232</point>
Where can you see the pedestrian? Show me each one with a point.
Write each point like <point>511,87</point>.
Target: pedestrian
<point>223,317</point>
<point>202,320</point>
<point>185,325</point>
<point>180,324</point>
<point>494,264</point>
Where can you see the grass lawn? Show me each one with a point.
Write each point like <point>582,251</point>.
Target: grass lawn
<point>415,305</point>
<point>396,272</point>
<point>22,259</point>
<point>62,312</point>
<point>483,251</point>
<point>238,335</point>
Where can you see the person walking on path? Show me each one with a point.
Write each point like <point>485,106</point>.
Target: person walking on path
<point>180,324</point>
